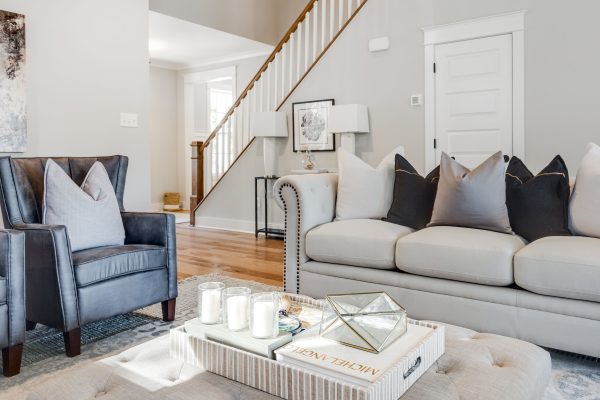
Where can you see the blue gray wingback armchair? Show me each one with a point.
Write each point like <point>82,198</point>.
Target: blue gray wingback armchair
<point>65,289</point>
<point>12,300</point>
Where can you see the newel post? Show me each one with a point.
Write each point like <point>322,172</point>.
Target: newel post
<point>197,179</point>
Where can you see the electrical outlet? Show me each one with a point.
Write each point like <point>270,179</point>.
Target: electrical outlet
<point>129,120</point>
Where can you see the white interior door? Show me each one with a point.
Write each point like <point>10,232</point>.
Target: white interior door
<point>473,99</point>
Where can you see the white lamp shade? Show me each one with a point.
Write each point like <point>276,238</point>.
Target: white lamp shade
<point>349,118</point>
<point>269,124</point>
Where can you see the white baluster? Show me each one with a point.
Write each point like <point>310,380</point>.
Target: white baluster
<point>323,22</point>
<point>284,55</point>
<point>292,49</point>
<point>349,9</point>
<point>306,24</point>
<point>228,145</point>
<point>315,25</point>
<point>234,134</point>
<point>331,19</point>
<point>276,62</point>
<point>299,44</point>
<point>341,15</point>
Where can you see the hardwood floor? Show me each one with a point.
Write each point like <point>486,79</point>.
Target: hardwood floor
<point>239,255</point>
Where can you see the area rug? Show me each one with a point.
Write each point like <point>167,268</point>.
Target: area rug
<point>573,377</point>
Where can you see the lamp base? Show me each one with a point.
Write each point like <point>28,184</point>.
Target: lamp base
<point>348,142</point>
<point>270,156</point>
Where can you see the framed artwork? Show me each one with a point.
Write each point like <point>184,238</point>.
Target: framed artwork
<point>13,117</point>
<point>310,120</point>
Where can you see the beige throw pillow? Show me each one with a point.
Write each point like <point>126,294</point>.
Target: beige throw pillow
<point>473,199</point>
<point>91,212</point>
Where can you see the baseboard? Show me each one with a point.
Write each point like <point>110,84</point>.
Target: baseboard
<point>227,224</point>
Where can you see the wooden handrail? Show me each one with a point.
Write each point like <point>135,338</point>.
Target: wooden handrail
<point>262,69</point>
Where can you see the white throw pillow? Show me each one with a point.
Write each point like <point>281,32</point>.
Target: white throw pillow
<point>584,208</point>
<point>364,191</point>
<point>91,212</point>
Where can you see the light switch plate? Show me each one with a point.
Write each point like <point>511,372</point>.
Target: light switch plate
<point>416,100</point>
<point>129,120</point>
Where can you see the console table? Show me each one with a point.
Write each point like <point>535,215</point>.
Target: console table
<point>269,232</point>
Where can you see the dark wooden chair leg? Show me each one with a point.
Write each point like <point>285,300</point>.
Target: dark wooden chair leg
<point>168,310</point>
<point>73,342</point>
<point>11,360</point>
<point>30,325</point>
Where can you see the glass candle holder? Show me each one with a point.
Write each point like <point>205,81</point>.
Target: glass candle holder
<point>264,315</point>
<point>209,302</point>
<point>235,308</point>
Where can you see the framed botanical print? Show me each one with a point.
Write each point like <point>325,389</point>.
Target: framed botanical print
<point>310,119</point>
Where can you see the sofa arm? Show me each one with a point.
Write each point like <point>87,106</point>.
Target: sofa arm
<point>157,229</point>
<point>307,201</point>
<point>12,268</point>
<point>50,281</point>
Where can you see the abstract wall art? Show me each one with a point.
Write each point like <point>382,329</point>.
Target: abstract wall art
<point>13,116</point>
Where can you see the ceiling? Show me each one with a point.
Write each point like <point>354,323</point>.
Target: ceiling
<point>179,44</point>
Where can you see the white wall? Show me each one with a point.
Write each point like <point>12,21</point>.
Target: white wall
<point>87,61</point>
<point>562,88</point>
<point>163,134</point>
<point>262,20</point>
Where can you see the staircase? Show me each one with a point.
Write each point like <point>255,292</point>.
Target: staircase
<point>308,39</point>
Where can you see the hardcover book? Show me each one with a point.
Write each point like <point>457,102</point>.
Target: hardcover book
<point>357,367</point>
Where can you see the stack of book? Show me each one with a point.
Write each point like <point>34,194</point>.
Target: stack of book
<point>326,357</point>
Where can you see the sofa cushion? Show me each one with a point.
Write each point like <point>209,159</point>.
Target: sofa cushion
<point>360,242</point>
<point>462,254</point>
<point>103,263</point>
<point>562,266</point>
<point>2,290</point>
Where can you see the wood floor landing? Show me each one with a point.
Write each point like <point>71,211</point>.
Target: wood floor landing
<point>235,254</point>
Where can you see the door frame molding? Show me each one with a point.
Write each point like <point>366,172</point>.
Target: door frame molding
<point>511,23</point>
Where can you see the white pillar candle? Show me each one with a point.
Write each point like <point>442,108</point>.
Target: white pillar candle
<point>262,324</point>
<point>211,306</point>
<point>237,312</point>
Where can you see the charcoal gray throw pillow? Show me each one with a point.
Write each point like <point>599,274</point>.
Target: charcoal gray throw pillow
<point>91,212</point>
<point>413,195</point>
<point>473,199</point>
<point>538,206</point>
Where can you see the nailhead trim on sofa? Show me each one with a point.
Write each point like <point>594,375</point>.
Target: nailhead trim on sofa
<point>285,238</point>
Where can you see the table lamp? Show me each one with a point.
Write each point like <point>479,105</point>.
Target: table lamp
<point>270,126</point>
<point>348,120</point>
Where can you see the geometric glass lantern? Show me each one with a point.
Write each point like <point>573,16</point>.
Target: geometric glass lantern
<point>365,321</point>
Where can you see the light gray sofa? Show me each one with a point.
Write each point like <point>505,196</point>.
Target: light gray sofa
<point>546,292</point>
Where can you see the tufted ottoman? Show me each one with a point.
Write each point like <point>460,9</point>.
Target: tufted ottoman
<point>482,366</point>
<point>475,367</point>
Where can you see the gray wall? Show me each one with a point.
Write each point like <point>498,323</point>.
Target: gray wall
<point>562,88</point>
<point>87,61</point>
<point>163,134</point>
<point>262,20</point>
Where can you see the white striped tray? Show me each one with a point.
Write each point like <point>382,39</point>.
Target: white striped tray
<point>297,384</point>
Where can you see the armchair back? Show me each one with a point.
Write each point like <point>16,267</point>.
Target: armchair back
<point>22,183</point>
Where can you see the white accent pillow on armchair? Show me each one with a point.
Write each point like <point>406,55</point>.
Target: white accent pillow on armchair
<point>364,191</point>
<point>91,212</point>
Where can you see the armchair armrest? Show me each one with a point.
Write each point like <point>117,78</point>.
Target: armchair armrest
<point>12,267</point>
<point>50,285</point>
<point>156,229</point>
<point>307,201</point>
